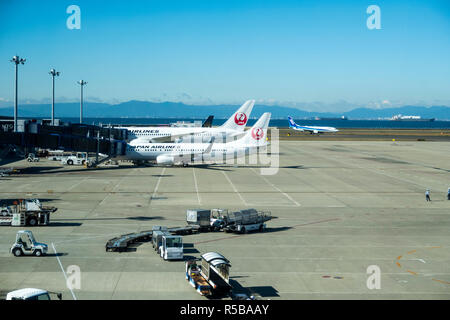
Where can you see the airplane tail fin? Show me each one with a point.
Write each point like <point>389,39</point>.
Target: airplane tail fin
<point>257,135</point>
<point>208,122</point>
<point>239,119</point>
<point>291,122</point>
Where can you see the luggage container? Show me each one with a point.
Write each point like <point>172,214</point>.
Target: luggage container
<point>25,212</point>
<point>246,220</point>
<point>199,217</point>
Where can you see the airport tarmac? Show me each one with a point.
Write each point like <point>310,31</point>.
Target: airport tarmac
<point>340,207</point>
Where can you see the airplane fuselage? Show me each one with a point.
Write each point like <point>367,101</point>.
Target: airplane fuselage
<point>151,151</point>
<point>196,134</point>
<point>315,129</point>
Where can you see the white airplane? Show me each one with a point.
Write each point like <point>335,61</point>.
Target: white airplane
<point>184,153</point>
<point>311,129</point>
<point>232,128</point>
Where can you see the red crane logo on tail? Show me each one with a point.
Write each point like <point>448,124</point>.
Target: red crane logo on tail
<point>257,133</point>
<point>240,118</point>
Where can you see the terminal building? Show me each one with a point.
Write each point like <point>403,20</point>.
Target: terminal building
<point>32,134</point>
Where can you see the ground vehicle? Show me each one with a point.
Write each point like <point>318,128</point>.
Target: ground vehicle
<point>31,294</point>
<point>244,220</point>
<point>168,246</point>
<point>242,296</point>
<point>198,217</point>
<point>56,155</point>
<point>203,219</point>
<point>25,212</point>
<point>157,238</point>
<point>26,245</point>
<point>5,211</point>
<point>79,159</point>
<point>212,276</point>
<point>171,247</point>
<point>230,221</point>
<point>32,158</point>
<point>121,243</point>
<point>196,279</point>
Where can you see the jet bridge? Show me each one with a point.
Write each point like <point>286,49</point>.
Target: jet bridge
<point>68,137</point>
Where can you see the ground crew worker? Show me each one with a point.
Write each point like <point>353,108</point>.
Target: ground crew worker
<point>427,195</point>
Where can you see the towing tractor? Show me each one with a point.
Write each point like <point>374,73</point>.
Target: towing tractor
<point>79,159</point>
<point>26,244</point>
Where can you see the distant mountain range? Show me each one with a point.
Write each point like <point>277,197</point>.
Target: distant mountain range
<point>144,109</point>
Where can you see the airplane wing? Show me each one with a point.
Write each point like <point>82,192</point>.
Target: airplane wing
<point>193,153</point>
<point>238,135</point>
<point>199,157</point>
<point>208,150</point>
<point>163,139</point>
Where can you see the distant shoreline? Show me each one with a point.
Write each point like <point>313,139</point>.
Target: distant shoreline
<point>281,123</point>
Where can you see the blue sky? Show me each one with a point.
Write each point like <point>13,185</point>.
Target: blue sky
<point>309,54</point>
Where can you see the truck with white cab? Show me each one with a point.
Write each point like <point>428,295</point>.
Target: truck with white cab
<point>31,294</point>
<point>24,212</point>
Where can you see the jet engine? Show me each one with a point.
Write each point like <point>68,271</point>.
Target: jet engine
<point>165,160</point>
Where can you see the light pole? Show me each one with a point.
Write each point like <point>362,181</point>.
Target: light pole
<point>81,83</point>
<point>16,60</point>
<point>53,73</point>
